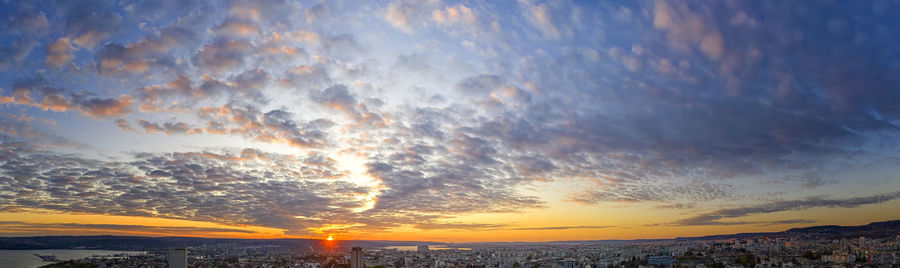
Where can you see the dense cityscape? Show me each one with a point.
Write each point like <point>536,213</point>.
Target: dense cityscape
<point>811,247</point>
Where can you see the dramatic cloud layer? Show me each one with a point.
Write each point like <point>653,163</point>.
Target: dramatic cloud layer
<point>331,117</point>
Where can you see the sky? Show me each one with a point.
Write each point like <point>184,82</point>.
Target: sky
<point>447,120</point>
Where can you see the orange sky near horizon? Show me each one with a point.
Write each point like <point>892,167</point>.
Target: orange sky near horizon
<point>623,227</point>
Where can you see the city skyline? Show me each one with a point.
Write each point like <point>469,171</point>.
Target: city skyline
<point>450,121</point>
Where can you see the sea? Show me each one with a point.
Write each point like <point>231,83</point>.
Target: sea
<point>26,258</point>
<point>430,247</point>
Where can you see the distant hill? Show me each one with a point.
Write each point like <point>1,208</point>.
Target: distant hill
<point>875,229</point>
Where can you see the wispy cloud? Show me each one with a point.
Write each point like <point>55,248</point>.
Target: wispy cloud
<point>36,228</point>
<point>562,227</point>
<point>716,217</point>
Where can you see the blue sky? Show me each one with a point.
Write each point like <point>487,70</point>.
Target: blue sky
<point>431,117</point>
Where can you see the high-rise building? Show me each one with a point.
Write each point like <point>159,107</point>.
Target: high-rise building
<point>357,259</point>
<point>177,257</point>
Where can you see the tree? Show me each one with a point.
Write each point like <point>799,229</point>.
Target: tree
<point>517,265</point>
<point>748,260</point>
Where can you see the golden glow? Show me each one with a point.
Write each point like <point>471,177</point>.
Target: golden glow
<point>355,164</point>
<point>635,221</point>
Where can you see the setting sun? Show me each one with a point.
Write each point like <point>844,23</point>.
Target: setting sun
<point>330,238</point>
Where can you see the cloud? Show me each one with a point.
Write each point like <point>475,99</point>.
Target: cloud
<point>407,15</point>
<point>36,92</point>
<point>542,18</point>
<point>549,18</point>
<point>13,54</point>
<point>336,97</point>
<point>152,53</point>
<point>676,206</point>
<point>275,126</point>
<point>59,53</point>
<point>103,107</point>
<point>236,28</point>
<point>29,22</point>
<point>274,12</point>
<point>716,217</point>
<point>686,28</point>
<point>307,76</point>
<point>629,192</point>
<point>88,24</point>
<point>479,84</point>
<point>455,14</point>
<point>123,124</point>
<point>168,127</point>
<point>461,15</point>
<point>562,227</point>
<point>248,188</point>
<point>70,228</point>
<point>222,55</point>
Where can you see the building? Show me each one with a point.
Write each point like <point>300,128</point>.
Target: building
<point>177,257</point>
<point>660,260</point>
<point>422,248</point>
<point>357,259</point>
<point>568,263</point>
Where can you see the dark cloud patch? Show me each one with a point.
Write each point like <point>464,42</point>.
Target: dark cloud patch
<point>676,206</point>
<point>183,92</point>
<point>716,217</point>
<point>17,226</point>
<point>275,126</point>
<point>27,21</point>
<point>252,188</point>
<point>13,54</point>
<point>336,97</point>
<point>103,107</point>
<point>720,103</point>
<point>435,166</point>
<point>340,98</point>
<point>638,192</point>
<point>88,23</point>
<point>168,127</point>
<point>237,28</point>
<point>480,84</point>
<point>222,55</point>
<point>304,77</point>
<point>151,54</point>
<point>123,124</point>
<point>37,92</point>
